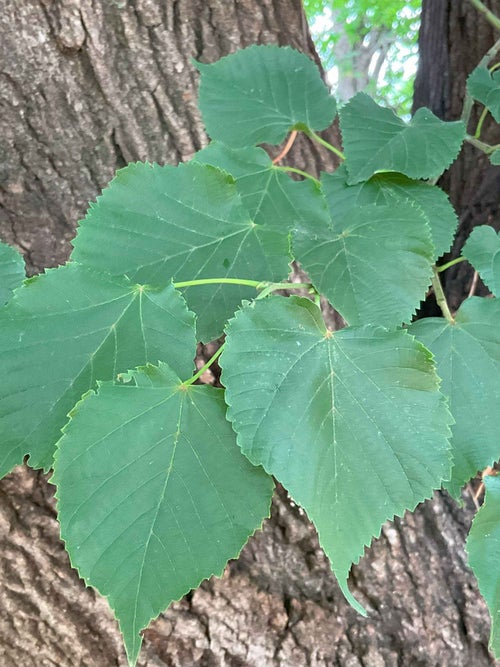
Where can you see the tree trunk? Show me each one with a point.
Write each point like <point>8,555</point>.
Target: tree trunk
<point>86,86</point>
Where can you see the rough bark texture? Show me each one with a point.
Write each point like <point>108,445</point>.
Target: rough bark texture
<point>85,86</point>
<point>453,39</point>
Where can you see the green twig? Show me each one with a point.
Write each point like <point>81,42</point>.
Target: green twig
<point>440,297</point>
<point>485,148</point>
<point>324,143</point>
<point>272,287</point>
<point>204,368</point>
<point>480,122</point>
<point>443,267</point>
<point>298,171</point>
<point>488,14</point>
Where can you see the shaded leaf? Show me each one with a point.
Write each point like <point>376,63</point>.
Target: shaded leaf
<point>389,188</point>
<point>153,493</point>
<point>495,157</point>
<point>66,329</point>
<point>351,422</point>
<point>374,264</point>
<point>11,271</point>
<point>467,354</point>
<point>270,196</point>
<point>157,223</point>
<point>483,547</point>
<point>259,94</point>
<point>484,86</point>
<point>482,249</point>
<point>375,139</point>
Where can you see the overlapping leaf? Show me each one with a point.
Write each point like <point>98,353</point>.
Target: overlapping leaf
<point>389,188</point>
<point>467,354</point>
<point>483,547</point>
<point>484,86</point>
<point>269,195</point>
<point>373,264</point>
<point>257,95</point>
<point>66,329</point>
<point>157,223</point>
<point>375,139</point>
<point>351,423</point>
<point>495,158</point>
<point>482,249</point>
<point>11,271</point>
<point>153,493</point>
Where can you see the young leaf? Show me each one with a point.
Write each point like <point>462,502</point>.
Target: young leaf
<point>495,157</point>
<point>482,249</point>
<point>351,423</point>
<point>467,354</point>
<point>153,493</point>
<point>157,223</point>
<point>483,547</point>
<point>11,271</point>
<point>390,188</point>
<point>66,329</point>
<point>373,265</point>
<point>257,95</point>
<point>484,86</point>
<point>270,196</point>
<point>375,139</point>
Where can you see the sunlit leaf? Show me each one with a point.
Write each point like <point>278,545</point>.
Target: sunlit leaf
<point>257,95</point>
<point>351,422</point>
<point>153,493</point>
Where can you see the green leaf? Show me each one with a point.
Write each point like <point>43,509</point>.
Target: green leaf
<point>484,86</point>
<point>157,223</point>
<point>270,196</point>
<point>153,494</point>
<point>495,158</point>
<point>66,329</point>
<point>389,188</point>
<point>259,94</point>
<point>374,265</point>
<point>483,547</point>
<point>467,354</point>
<point>375,140</point>
<point>351,423</point>
<point>11,271</point>
<point>482,249</point>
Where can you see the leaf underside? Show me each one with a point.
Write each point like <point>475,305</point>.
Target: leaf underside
<point>467,355</point>
<point>66,329</point>
<point>482,249</point>
<point>351,423</point>
<point>257,95</point>
<point>153,494</point>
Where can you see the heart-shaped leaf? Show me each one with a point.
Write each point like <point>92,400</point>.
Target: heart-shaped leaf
<point>153,493</point>
<point>484,86</point>
<point>351,422</point>
<point>257,95</point>
<point>467,354</point>
<point>66,329</point>
<point>375,139</point>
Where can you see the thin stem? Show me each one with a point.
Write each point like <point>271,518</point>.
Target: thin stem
<point>480,122</point>
<point>299,171</point>
<point>443,267</point>
<point>440,297</point>
<point>273,287</point>
<point>486,148</point>
<point>205,367</point>
<point>488,14</point>
<point>216,281</point>
<point>288,145</point>
<point>324,143</point>
<point>473,286</point>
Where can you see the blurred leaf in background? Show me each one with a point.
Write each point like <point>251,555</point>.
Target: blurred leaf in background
<point>370,46</point>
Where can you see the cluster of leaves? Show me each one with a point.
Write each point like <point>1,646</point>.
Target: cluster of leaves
<point>156,489</point>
